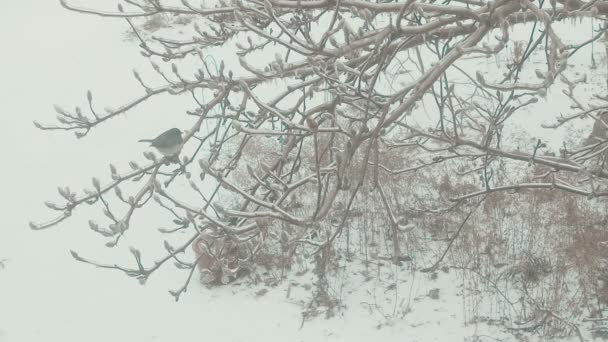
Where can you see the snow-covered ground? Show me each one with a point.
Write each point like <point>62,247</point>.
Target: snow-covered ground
<point>52,56</point>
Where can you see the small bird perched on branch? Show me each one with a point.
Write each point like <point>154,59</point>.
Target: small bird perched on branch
<point>168,143</point>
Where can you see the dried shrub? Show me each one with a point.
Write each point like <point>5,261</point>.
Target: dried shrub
<point>220,259</point>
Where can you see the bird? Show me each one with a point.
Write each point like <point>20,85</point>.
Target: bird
<point>168,143</point>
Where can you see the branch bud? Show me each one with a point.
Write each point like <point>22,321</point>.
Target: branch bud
<point>168,247</point>
<point>93,225</point>
<point>96,184</point>
<point>203,164</point>
<point>52,205</point>
<point>118,192</point>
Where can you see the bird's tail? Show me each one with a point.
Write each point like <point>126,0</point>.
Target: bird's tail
<point>145,140</point>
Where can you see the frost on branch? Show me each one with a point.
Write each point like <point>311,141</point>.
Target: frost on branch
<point>323,115</point>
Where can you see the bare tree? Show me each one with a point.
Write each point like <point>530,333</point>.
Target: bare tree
<point>353,75</point>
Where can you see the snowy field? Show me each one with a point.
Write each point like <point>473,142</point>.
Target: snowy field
<point>52,56</point>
